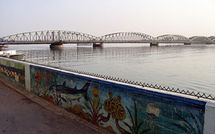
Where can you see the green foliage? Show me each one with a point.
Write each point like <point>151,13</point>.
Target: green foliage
<point>187,126</point>
<point>135,127</point>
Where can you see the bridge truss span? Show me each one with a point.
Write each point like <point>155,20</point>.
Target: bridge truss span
<point>49,36</point>
<point>169,38</point>
<point>127,37</point>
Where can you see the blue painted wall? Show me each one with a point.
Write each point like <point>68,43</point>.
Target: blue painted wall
<point>119,108</point>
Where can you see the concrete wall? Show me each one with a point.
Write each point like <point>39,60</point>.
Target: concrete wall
<point>118,107</point>
<point>13,71</point>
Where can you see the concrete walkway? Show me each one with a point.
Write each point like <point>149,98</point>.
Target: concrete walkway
<point>20,115</point>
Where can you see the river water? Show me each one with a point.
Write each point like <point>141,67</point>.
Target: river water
<point>185,67</point>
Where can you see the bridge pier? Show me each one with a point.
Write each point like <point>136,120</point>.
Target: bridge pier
<point>56,45</point>
<point>187,43</point>
<point>100,44</point>
<point>154,44</point>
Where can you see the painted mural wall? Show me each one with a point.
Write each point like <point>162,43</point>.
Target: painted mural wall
<point>13,71</point>
<point>118,108</point>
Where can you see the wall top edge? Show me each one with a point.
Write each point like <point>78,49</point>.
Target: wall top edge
<point>200,100</point>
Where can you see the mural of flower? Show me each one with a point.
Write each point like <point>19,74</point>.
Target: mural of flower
<point>94,108</point>
<point>38,78</point>
<point>114,107</point>
<point>96,99</point>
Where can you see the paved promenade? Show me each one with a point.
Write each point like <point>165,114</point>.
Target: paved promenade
<point>21,115</point>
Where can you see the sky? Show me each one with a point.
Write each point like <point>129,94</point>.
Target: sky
<point>100,17</point>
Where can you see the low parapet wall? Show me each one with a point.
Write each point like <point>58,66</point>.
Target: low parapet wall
<point>118,107</point>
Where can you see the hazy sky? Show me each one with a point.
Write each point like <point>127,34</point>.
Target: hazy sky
<point>99,17</point>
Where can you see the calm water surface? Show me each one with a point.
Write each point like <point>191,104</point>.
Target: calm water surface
<point>184,67</point>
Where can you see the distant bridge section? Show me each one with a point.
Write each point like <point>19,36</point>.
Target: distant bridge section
<point>168,38</point>
<point>202,40</point>
<point>212,38</point>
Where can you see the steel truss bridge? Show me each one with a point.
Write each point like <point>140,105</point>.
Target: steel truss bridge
<point>66,37</point>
